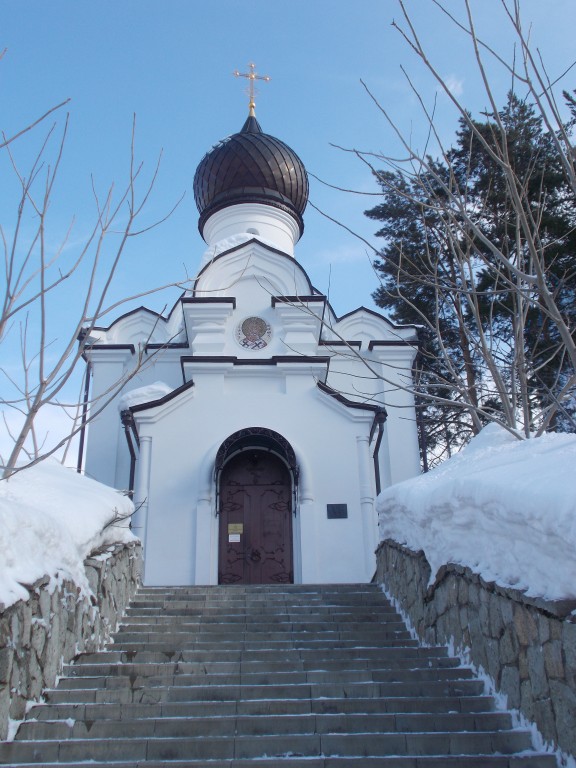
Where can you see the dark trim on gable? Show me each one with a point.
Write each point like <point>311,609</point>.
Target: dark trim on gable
<point>345,401</point>
<point>252,241</point>
<point>124,316</point>
<point>301,358</point>
<point>380,417</point>
<point>340,343</point>
<point>298,299</point>
<point>208,359</point>
<point>165,318</point>
<point>97,347</point>
<point>209,300</point>
<point>254,360</point>
<point>379,315</point>
<point>168,345</point>
<point>161,400</point>
<point>393,343</point>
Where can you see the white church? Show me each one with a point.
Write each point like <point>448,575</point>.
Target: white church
<point>261,426</point>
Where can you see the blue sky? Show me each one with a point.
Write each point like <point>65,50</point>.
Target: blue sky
<point>170,62</point>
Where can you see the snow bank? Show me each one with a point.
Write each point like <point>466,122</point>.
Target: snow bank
<point>145,394</point>
<point>51,519</point>
<point>505,508</point>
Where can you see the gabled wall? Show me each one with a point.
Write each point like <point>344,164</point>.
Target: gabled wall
<point>178,519</point>
<point>222,387</point>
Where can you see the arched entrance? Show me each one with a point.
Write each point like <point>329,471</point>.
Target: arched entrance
<point>255,508</point>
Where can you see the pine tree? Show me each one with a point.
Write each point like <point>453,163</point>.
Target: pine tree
<point>417,271</point>
<point>539,175</point>
<point>444,229</point>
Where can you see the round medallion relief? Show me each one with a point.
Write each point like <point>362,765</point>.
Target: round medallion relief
<point>253,333</point>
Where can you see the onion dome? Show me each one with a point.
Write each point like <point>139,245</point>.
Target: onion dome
<point>251,167</point>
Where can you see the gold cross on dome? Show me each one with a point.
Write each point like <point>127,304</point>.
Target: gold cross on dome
<point>251,76</point>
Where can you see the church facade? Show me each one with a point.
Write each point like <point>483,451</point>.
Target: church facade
<point>260,426</point>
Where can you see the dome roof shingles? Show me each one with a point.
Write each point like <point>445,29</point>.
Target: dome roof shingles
<point>251,167</point>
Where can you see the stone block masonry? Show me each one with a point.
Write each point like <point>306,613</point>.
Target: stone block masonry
<point>53,626</point>
<point>526,645</point>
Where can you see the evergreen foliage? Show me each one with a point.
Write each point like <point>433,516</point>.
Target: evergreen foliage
<point>446,226</point>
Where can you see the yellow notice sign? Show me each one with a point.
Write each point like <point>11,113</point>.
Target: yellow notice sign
<point>235,528</point>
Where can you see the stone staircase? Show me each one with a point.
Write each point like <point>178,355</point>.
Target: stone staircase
<point>307,676</point>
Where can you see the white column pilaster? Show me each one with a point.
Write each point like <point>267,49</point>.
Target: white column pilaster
<point>367,491</point>
<point>141,490</point>
<point>206,566</point>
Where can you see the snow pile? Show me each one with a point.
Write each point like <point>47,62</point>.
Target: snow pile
<point>51,519</point>
<point>146,394</point>
<point>506,508</point>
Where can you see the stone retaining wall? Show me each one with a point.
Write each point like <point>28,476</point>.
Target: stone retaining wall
<point>40,635</point>
<point>526,645</point>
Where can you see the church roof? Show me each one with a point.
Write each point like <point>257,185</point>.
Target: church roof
<point>251,167</point>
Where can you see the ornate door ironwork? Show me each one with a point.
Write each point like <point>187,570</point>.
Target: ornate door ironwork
<point>255,544</point>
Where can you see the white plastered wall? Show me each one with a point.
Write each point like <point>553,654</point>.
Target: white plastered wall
<point>179,439</point>
<point>181,526</point>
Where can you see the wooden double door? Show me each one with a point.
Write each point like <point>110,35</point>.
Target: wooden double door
<point>255,533</point>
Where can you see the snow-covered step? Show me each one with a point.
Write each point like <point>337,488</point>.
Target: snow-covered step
<point>255,725</point>
<point>295,676</point>
<point>234,746</point>
<point>242,667</point>
<point>174,679</point>
<point>367,655</point>
<point>231,692</point>
<point>289,761</point>
<point>402,705</point>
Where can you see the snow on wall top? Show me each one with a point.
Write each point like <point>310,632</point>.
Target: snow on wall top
<point>145,394</point>
<point>506,508</point>
<point>51,519</point>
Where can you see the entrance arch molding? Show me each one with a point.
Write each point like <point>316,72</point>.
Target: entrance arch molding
<point>208,497</point>
<point>207,490</point>
<point>261,439</point>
